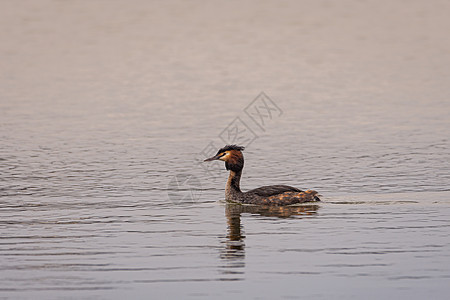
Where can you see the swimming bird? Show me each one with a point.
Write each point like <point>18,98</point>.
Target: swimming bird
<point>276,195</point>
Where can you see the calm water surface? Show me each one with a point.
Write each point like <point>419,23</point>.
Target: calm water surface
<point>106,109</point>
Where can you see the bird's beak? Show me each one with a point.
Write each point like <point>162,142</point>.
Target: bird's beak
<point>215,157</point>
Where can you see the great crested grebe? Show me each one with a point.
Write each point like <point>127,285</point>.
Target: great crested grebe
<point>277,195</point>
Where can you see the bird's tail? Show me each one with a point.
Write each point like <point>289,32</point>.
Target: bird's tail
<point>314,194</point>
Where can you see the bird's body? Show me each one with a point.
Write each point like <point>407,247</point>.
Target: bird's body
<point>276,195</point>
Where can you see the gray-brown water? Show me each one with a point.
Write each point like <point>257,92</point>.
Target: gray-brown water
<point>107,107</point>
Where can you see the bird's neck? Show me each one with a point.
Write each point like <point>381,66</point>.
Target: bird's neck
<point>233,190</point>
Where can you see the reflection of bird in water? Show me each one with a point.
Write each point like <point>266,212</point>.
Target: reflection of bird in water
<point>235,246</point>
<point>234,252</point>
<point>235,238</point>
<point>276,195</point>
<point>234,209</point>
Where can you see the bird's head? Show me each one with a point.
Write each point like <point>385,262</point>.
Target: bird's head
<point>231,155</point>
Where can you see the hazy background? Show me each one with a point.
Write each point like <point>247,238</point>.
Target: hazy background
<point>104,103</point>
